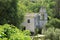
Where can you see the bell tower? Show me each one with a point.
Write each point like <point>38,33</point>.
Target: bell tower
<point>43,16</point>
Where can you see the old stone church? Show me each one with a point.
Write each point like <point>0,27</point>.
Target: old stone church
<point>35,20</point>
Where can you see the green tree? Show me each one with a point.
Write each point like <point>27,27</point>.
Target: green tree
<point>10,32</point>
<point>8,11</point>
<point>12,12</point>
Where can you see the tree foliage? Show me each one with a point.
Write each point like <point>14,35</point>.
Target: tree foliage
<point>10,32</point>
<point>8,10</point>
<point>52,34</point>
<point>53,23</point>
<point>11,12</point>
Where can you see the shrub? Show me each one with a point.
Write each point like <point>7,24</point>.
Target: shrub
<point>10,32</point>
<point>52,33</point>
<point>53,23</point>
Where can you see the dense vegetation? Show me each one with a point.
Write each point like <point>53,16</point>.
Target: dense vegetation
<point>12,12</point>
<point>52,34</point>
<point>10,32</point>
<point>8,10</point>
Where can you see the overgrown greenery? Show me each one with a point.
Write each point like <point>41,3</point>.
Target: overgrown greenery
<point>13,11</point>
<point>52,34</point>
<point>10,32</point>
<point>8,10</point>
<point>53,23</point>
<point>53,16</point>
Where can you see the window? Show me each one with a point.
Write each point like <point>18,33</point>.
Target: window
<point>28,20</point>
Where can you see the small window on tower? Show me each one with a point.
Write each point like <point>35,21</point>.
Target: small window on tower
<point>28,20</point>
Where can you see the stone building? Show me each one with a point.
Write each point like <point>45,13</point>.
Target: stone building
<point>35,20</point>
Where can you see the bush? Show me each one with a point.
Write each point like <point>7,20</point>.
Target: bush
<point>10,32</point>
<point>53,23</point>
<point>52,33</point>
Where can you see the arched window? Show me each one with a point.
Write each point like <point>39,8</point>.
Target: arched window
<point>28,20</point>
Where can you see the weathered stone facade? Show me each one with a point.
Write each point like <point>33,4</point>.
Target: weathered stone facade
<point>35,20</point>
